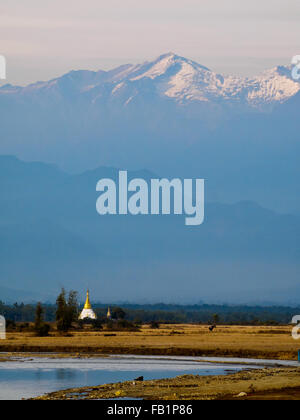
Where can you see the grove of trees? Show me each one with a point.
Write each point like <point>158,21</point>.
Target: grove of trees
<point>66,311</point>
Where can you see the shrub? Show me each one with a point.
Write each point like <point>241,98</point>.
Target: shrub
<point>10,325</point>
<point>43,330</point>
<point>122,325</point>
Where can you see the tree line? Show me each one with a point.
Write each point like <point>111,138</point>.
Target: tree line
<point>66,311</point>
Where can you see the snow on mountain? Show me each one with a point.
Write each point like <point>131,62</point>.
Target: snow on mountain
<point>275,85</point>
<point>170,115</point>
<point>186,80</point>
<point>177,78</point>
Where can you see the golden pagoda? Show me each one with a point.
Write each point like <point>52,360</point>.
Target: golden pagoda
<point>87,304</point>
<point>108,313</point>
<point>87,312</point>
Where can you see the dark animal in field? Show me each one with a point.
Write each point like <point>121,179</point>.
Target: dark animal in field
<point>139,379</point>
<point>212,327</point>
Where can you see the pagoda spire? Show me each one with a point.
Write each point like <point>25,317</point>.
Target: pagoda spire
<point>87,304</point>
<point>87,312</point>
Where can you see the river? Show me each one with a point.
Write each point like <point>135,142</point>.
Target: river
<point>24,377</point>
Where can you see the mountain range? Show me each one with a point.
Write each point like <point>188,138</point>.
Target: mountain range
<point>172,116</point>
<point>51,236</point>
<point>176,118</point>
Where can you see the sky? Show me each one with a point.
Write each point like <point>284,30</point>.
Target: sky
<point>44,39</point>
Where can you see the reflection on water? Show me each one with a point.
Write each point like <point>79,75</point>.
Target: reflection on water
<point>27,378</point>
<point>64,374</point>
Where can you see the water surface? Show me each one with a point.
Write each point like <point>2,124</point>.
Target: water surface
<point>30,377</point>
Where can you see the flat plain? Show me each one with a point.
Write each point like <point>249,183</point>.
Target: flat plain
<point>186,340</point>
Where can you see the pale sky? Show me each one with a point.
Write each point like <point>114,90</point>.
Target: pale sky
<point>44,39</point>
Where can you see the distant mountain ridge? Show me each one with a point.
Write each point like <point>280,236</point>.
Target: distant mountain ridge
<point>51,236</point>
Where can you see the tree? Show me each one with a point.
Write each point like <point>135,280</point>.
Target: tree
<point>41,329</point>
<point>61,305</point>
<point>118,313</point>
<point>72,306</point>
<point>216,319</point>
<point>38,316</point>
<point>67,311</point>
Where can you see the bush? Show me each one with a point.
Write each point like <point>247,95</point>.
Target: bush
<point>25,327</point>
<point>10,325</point>
<point>122,325</point>
<point>97,324</point>
<point>43,330</point>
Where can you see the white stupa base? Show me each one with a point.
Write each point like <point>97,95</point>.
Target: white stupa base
<point>88,313</point>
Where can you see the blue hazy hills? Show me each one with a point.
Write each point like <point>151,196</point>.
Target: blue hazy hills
<point>52,236</point>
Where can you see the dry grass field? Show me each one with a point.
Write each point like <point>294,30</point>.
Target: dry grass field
<point>194,340</point>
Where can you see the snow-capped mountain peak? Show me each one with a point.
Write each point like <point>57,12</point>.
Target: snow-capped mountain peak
<point>171,77</point>
<point>274,85</point>
<point>185,80</point>
<point>167,64</point>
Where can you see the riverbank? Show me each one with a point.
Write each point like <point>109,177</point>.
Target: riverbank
<point>28,376</point>
<point>263,384</point>
<point>169,340</point>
